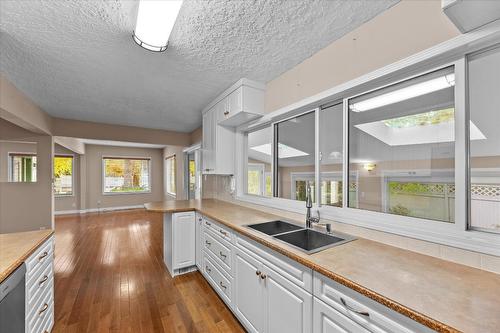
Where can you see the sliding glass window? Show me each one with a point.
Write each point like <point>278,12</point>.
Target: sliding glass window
<point>330,154</point>
<point>294,166</point>
<point>484,128</point>
<point>402,148</point>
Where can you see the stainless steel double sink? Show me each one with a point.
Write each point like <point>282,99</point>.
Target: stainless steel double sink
<point>308,240</point>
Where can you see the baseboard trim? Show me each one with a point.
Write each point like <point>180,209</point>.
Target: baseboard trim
<point>96,210</point>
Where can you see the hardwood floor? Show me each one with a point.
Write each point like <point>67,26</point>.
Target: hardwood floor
<point>110,277</point>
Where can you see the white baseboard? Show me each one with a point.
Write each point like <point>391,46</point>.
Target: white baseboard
<point>96,210</point>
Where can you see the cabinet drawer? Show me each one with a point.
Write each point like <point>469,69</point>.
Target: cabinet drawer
<point>328,320</point>
<point>364,311</point>
<point>42,312</point>
<point>290,269</point>
<point>38,285</point>
<point>221,252</point>
<point>221,283</point>
<point>222,232</point>
<point>35,263</point>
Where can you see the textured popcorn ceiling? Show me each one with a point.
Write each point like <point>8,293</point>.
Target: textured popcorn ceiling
<point>77,60</point>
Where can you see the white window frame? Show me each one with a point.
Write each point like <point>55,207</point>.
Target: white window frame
<point>167,175</point>
<point>103,174</point>
<point>72,194</point>
<point>449,53</point>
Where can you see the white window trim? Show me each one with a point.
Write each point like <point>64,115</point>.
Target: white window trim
<point>452,52</point>
<point>72,194</point>
<point>172,194</point>
<point>103,175</point>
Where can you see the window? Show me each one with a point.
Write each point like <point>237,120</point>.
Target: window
<point>126,175</point>
<point>22,167</point>
<point>484,157</point>
<point>171,163</point>
<point>259,162</point>
<point>63,175</point>
<point>401,143</point>
<point>331,154</point>
<point>295,158</point>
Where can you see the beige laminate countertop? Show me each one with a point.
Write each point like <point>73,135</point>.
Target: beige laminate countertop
<point>16,247</point>
<point>442,295</point>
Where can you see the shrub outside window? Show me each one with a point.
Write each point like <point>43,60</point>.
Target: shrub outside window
<point>126,175</point>
<point>63,175</point>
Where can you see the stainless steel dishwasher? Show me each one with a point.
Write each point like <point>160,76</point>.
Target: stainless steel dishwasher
<point>12,302</point>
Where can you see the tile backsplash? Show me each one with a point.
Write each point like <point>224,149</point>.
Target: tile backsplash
<point>219,187</point>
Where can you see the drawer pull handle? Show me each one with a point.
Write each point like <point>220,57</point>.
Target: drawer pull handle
<point>223,232</point>
<point>258,273</point>
<point>44,308</point>
<point>43,255</point>
<point>208,223</point>
<point>42,281</point>
<point>363,313</point>
<point>223,286</point>
<point>263,276</point>
<point>222,255</point>
<point>208,243</point>
<point>199,219</point>
<point>208,269</point>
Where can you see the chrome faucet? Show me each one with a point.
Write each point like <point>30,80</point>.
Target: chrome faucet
<point>309,219</point>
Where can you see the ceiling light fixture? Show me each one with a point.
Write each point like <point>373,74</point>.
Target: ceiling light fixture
<point>402,94</point>
<point>155,20</point>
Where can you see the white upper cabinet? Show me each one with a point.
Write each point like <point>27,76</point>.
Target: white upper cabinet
<point>242,102</point>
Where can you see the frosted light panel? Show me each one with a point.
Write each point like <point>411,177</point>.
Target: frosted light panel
<point>155,20</point>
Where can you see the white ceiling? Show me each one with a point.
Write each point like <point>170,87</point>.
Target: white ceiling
<point>77,60</point>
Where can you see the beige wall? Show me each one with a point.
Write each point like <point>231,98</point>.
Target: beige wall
<point>179,160</point>
<point>27,206</point>
<point>98,131</point>
<point>404,29</point>
<point>93,177</point>
<point>196,136</point>
<point>69,202</point>
<point>20,110</point>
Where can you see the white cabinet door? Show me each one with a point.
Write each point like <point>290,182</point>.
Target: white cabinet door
<point>288,307</point>
<point>208,143</point>
<point>224,143</point>
<point>184,238</point>
<point>234,103</point>
<point>199,245</point>
<point>328,320</point>
<point>248,294</point>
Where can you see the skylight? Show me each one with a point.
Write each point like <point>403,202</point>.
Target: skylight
<point>419,89</point>
<point>284,150</point>
<point>422,119</point>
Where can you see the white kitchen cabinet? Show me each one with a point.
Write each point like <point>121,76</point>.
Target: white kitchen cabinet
<point>249,294</point>
<point>208,142</point>
<point>179,235</point>
<point>218,143</point>
<point>328,320</point>
<point>40,289</point>
<point>199,245</point>
<point>287,306</point>
<point>265,301</point>
<point>241,103</point>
